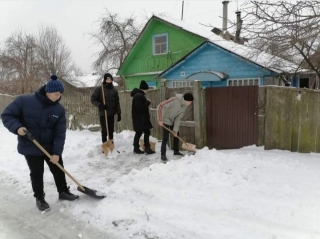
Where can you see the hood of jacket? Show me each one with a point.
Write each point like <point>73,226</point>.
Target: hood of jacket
<point>136,91</point>
<point>180,97</point>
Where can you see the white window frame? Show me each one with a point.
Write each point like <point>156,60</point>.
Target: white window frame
<point>182,83</point>
<point>244,82</point>
<point>162,44</point>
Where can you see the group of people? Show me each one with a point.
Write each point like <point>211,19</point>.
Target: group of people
<point>44,117</point>
<point>169,114</point>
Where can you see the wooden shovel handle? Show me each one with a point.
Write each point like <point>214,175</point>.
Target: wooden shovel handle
<point>173,134</point>
<point>49,156</point>
<point>105,112</point>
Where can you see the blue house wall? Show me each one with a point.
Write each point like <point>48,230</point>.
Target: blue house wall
<point>210,57</point>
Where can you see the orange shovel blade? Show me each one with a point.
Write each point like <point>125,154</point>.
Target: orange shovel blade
<point>105,148</point>
<point>189,147</point>
<point>110,145</point>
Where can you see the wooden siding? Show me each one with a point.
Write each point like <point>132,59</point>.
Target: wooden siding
<point>141,58</point>
<point>232,117</point>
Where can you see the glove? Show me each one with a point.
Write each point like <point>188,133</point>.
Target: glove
<point>119,117</point>
<point>103,107</point>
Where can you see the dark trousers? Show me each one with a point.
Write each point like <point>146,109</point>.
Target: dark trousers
<point>104,127</point>
<point>137,138</point>
<point>165,138</point>
<point>36,166</point>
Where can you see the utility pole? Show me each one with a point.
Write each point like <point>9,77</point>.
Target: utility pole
<point>182,10</point>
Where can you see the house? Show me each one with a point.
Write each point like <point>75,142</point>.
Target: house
<point>177,52</point>
<point>219,63</point>
<point>160,44</point>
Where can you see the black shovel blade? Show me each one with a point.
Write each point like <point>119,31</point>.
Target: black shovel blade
<point>91,192</point>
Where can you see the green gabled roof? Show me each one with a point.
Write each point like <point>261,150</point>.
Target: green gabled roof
<point>139,50</point>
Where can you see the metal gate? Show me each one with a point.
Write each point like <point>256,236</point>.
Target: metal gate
<point>232,116</point>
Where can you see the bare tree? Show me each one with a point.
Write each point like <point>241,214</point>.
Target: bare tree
<point>29,60</point>
<point>116,37</point>
<point>54,55</point>
<point>290,30</point>
<point>75,70</point>
<point>18,61</point>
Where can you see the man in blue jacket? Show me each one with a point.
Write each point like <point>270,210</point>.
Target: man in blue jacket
<point>44,117</point>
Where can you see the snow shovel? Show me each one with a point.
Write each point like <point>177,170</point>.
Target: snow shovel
<point>91,192</point>
<point>106,146</point>
<point>187,146</point>
<point>152,144</point>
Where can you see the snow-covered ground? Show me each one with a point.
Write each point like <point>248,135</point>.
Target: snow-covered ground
<point>240,194</point>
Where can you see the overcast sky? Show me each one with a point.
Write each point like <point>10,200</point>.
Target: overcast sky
<point>74,19</point>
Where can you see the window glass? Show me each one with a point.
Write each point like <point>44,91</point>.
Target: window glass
<point>160,44</point>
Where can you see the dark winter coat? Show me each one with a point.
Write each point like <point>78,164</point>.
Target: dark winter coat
<point>45,119</point>
<point>111,98</point>
<point>140,111</point>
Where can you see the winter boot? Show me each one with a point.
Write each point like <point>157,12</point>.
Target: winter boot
<point>41,203</point>
<point>177,153</point>
<point>136,150</point>
<point>148,150</point>
<point>164,159</point>
<point>66,195</point>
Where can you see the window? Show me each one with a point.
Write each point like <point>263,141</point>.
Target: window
<point>243,82</point>
<point>160,44</point>
<point>177,84</point>
<point>304,83</point>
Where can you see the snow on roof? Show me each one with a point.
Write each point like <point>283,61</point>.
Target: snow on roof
<point>263,59</point>
<point>87,81</point>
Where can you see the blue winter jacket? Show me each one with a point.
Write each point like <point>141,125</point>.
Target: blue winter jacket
<point>46,120</point>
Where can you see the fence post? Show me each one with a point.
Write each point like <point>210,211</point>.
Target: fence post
<point>198,119</point>
<point>163,91</point>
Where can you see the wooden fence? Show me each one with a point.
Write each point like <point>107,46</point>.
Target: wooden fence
<point>288,117</point>
<point>292,119</point>
<point>81,114</point>
<point>4,101</point>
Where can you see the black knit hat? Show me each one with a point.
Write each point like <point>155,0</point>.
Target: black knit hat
<point>107,75</point>
<point>54,85</point>
<point>188,97</point>
<point>143,85</point>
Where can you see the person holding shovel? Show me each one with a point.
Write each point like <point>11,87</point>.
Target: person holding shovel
<point>108,103</point>
<point>169,115</point>
<point>141,118</point>
<point>43,116</point>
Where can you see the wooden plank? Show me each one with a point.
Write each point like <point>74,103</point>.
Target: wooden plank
<point>271,127</point>
<point>261,111</point>
<point>284,125</point>
<point>317,125</point>
<point>295,114</point>
<point>197,111</point>
<point>308,119</point>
